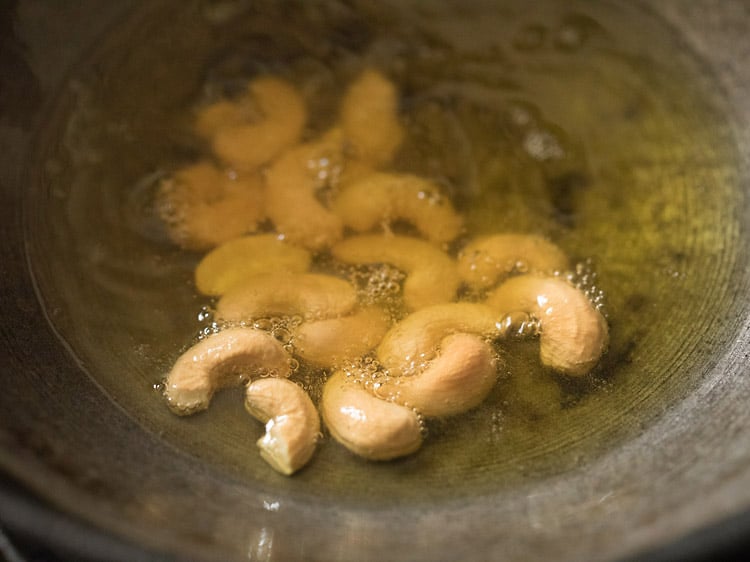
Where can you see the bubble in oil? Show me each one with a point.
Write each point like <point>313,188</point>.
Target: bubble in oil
<point>205,314</point>
<point>543,145</point>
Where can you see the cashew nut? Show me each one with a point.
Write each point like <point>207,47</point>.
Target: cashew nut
<point>573,333</point>
<point>252,131</point>
<point>328,343</point>
<point>431,273</point>
<point>369,117</point>
<point>386,197</point>
<point>292,183</point>
<point>366,425</point>
<point>310,295</point>
<point>292,422</point>
<point>227,358</point>
<point>204,206</point>
<point>235,261</point>
<point>457,380</point>
<point>413,342</point>
<point>484,261</point>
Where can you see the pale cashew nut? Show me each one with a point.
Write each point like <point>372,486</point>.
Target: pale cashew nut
<point>431,273</point>
<point>292,422</point>
<point>204,206</point>
<point>412,343</point>
<point>234,262</point>
<point>310,295</point>
<point>369,117</point>
<point>366,425</point>
<point>250,132</point>
<point>457,380</point>
<point>332,342</point>
<point>572,332</point>
<point>292,182</point>
<point>227,358</point>
<point>384,197</point>
<point>486,260</point>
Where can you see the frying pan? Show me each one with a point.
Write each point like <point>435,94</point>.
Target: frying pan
<point>89,473</point>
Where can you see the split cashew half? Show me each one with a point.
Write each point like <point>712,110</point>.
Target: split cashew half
<point>384,197</point>
<point>204,206</point>
<point>487,260</point>
<point>235,261</point>
<point>310,295</point>
<point>412,343</point>
<point>369,118</point>
<point>457,380</point>
<point>227,358</point>
<point>292,422</point>
<point>251,131</point>
<point>431,273</point>
<point>572,332</point>
<point>366,425</point>
<point>292,183</point>
<point>332,342</point>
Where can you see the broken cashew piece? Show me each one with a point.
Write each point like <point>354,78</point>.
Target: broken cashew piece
<point>486,260</point>
<point>204,206</point>
<point>369,118</point>
<point>233,262</point>
<point>384,197</point>
<point>227,358</point>
<point>366,425</point>
<point>292,182</point>
<point>431,273</point>
<point>457,380</point>
<point>573,334</point>
<point>409,345</point>
<point>310,295</point>
<point>250,132</point>
<point>292,422</point>
<point>332,342</point>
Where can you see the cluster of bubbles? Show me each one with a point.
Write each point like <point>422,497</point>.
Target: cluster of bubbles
<point>584,277</point>
<point>371,374</point>
<point>327,170</point>
<point>518,324</point>
<point>376,283</point>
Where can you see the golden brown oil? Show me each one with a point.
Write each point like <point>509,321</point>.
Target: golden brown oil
<point>589,123</point>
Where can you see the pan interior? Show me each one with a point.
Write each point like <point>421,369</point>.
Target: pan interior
<point>644,195</point>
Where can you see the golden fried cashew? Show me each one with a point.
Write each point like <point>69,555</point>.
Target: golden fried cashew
<point>328,343</point>
<point>292,182</point>
<point>226,358</point>
<point>250,132</point>
<point>457,380</point>
<point>204,206</point>
<point>366,425</point>
<point>573,333</point>
<point>431,273</point>
<point>292,422</point>
<point>235,261</point>
<point>412,343</point>
<point>310,295</point>
<point>369,117</point>
<point>486,260</point>
<point>382,198</point>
